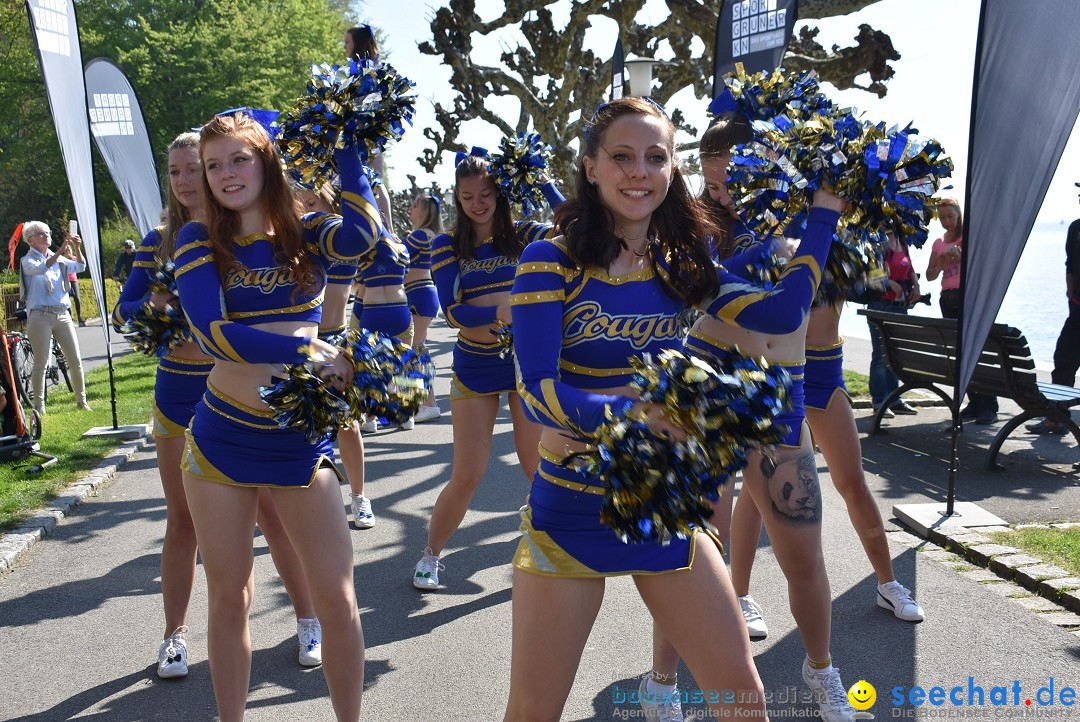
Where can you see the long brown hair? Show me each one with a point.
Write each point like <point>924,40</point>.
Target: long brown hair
<point>726,131</point>
<point>365,45</point>
<point>280,206</point>
<point>431,219</point>
<point>503,237</point>
<point>678,223</point>
<point>176,213</point>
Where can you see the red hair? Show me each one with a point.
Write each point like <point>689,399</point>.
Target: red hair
<point>280,206</point>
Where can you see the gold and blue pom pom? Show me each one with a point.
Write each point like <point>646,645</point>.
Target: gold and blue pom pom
<point>156,332</point>
<point>504,336</point>
<point>855,266</point>
<point>392,379</point>
<point>362,106</point>
<point>304,401</point>
<point>803,142</point>
<point>656,487</point>
<point>520,168</point>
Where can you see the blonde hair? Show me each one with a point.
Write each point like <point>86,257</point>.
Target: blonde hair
<point>432,219</point>
<point>957,232</point>
<point>176,213</point>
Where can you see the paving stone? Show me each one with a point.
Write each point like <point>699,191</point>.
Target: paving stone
<point>1031,576</point>
<point>1005,589</point>
<point>1050,587</point>
<point>981,553</point>
<point>968,539</point>
<point>941,555</point>
<point>993,529</point>
<point>1032,526</point>
<point>980,575</point>
<point>1008,563</point>
<point>1062,619</point>
<point>1038,604</point>
<point>1066,525</point>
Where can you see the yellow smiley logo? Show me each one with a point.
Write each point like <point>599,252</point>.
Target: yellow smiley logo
<point>862,695</point>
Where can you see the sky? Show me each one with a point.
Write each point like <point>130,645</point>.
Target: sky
<point>931,88</point>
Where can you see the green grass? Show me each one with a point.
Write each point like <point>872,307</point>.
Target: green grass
<point>858,385</point>
<point>61,436</point>
<point>1054,546</point>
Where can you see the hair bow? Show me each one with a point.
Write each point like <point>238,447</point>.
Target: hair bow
<point>722,103</point>
<point>474,151</point>
<point>435,199</point>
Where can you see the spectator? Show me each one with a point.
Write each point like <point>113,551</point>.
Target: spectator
<point>945,261</point>
<point>123,262</point>
<point>1067,352</point>
<point>49,307</point>
<point>902,292</point>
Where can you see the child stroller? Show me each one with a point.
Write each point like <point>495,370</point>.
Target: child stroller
<point>19,431</point>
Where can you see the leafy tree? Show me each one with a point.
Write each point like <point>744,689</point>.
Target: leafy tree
<point>553,75</point>
<point>187,59</point>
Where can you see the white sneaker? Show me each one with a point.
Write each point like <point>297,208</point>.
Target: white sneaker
<point>363,518</point>
<point>172,655</point>
<point>751,612</point>
<point>309,638</point>
<point>896,598</point>
<point>658,706</point>
<point>427,413</point>
<point>407,424</point>
<point>370,426</point>
<point>427,571</point>
<point>829,692</point>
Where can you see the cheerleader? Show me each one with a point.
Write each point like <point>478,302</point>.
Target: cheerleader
<point>631,251</point>
<point>180,383</point>
<point>339,279</point>
<point>252,279</point>
<point>424,213</point>
<point>474,270</point>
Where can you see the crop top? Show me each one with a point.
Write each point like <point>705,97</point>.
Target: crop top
<point>137,288</point>
<point>386,264</point>
<point>258,289</point>
<point>458,280</point>
<point>565,316</point>
<point>419,245</point>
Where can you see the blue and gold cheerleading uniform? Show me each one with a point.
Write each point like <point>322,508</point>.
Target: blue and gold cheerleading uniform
<point>180,382</point>
<point>340,273</point>
<point>423,298</point>
<point>576,329</point>
<point>824,375</point>
<point>229,442</point>
<point>384,266</point>
<point>479,369</point>
<point>748,252</point>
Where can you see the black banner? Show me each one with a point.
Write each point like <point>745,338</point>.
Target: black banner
<point>755,33</point>
<point>119,129</point>
<point>617,71</point>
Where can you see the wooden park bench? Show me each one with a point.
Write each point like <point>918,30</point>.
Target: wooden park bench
<point>922,353</point>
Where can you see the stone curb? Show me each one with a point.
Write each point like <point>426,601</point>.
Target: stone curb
<point>1047,580</point>
<point>17,542</point>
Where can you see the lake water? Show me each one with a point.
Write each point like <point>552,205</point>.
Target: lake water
<point>1035,302</point>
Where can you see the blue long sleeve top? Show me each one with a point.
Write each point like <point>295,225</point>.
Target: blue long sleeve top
<point>576,329</point>
<point>258,289</point>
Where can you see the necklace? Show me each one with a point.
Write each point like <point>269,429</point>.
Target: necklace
<point>627,241</point>
<point>642,254</point>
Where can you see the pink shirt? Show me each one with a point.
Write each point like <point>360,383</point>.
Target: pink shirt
<point>950,274</point>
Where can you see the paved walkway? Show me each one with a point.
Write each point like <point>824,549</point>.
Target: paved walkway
<point>80,616</point>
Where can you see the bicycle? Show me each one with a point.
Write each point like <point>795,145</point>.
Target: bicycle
<point>23,358</point>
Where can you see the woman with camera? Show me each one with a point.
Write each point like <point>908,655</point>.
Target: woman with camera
<point>48,307</point>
